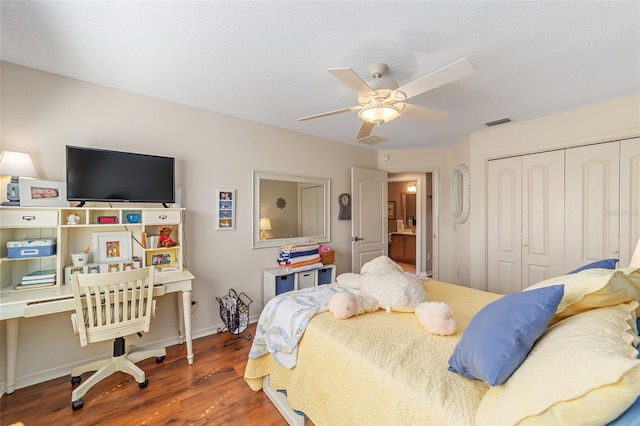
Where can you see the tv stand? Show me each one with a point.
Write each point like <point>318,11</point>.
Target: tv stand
<point>81,204</point>
<point>165,205</point>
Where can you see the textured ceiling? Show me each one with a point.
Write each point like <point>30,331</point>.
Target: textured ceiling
<point>268,61</point>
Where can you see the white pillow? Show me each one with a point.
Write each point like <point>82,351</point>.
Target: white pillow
<point>583,370</point>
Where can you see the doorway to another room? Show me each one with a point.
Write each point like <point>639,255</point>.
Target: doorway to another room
<point>410,217</point>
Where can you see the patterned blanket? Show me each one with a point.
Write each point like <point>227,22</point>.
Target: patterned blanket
<point>284,319</point>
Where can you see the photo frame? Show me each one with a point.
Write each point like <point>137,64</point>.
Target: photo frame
<point>111,247</point>
<point>43,193</point>
<point>391,209</point>
<point>162,258</point>
<point>225,209</point>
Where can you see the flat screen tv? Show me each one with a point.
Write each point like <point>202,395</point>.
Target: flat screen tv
<point>114,176</point>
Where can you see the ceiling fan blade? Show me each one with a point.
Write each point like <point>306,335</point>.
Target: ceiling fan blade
<point>353,80</point>
<point>365,130</point>
<point>372,140</point>
<point>324,114</point>
<point>445,75</point>
<point>428,115</point>
<point>364,134</point>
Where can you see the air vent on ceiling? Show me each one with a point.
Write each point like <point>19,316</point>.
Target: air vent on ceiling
<point>500,121</point>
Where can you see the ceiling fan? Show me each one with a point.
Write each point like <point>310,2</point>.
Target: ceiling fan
<point>382,100</point>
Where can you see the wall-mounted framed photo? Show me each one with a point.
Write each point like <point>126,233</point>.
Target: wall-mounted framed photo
<point>43,193</point>
<point>391,209</point>
<point>225,209</point>
<point>111,247</point>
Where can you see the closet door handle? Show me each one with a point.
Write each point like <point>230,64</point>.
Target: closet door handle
<point>615,251</point>
<point>525,244</point>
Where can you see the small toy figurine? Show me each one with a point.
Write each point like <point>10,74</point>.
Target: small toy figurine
<point>73,219</point>
<point>165,237</point>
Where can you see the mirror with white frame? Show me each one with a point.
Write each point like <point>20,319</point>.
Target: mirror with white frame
<point>289,209</point>
<point>460,193</point>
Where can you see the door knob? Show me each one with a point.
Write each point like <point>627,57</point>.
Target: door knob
<point>615,251</point>
<point>357,239</point>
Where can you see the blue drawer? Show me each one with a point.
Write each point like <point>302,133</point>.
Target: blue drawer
<point>324,276</point>
<point>33,251</point>
<point>284,283</point>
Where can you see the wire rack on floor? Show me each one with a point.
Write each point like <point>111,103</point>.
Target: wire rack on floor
<point>234,312</point>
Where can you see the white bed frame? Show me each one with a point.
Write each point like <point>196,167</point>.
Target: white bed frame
<point>280,401</point>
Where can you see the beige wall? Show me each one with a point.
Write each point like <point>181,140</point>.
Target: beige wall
<point>607,121</point>
<point>41,113</point>
<point>462,247</point>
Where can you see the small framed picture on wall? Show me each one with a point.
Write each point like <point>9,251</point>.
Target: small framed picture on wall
<point>225,209</point>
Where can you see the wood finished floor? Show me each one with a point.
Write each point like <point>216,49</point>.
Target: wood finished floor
<point>211,391</point>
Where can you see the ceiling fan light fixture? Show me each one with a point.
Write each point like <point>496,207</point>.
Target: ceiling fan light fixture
<point>379,114</point>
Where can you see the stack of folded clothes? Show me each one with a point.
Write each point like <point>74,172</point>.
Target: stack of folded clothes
<point>299,257</point>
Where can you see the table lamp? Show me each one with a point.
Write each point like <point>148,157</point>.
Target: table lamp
<point>16,165</point>
<point>265,225</point>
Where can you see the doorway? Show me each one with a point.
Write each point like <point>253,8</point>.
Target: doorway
<point>410,222</point>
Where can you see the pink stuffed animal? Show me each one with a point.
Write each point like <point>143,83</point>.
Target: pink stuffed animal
<point>436,318</point>
<point>344,305</point>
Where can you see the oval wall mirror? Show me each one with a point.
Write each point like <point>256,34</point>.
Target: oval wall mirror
<point>460,189</point>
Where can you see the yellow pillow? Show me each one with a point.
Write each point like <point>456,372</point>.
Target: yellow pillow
<point>583,370</point>
<point>593,288</point>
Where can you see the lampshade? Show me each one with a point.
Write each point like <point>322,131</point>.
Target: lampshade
<point>265,224</point>
<point>17,164</point>
<point>379,113</point>
<point>635,259</point>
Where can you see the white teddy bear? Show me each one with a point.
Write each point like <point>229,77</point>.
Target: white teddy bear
<point>383,284</point>
<point>385,281</point>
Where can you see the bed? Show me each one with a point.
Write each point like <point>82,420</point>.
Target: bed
<point>383,368</point>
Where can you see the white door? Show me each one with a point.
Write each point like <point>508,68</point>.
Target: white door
<point>525,220</point>
<point>629,198</point>
<point>504,213</point>
<point>369,237</point>
<point>592,204</point>
<point>542,217</point>
<point>311,211</point>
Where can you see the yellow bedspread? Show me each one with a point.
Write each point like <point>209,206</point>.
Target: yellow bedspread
<point>380,368</point>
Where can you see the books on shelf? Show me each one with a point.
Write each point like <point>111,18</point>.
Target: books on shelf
<point>32,286</point>
<point>38,279</point>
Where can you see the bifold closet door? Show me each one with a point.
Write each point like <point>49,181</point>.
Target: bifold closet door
<point>592,204</point>
<point>504,214</point>
<point>525,220</point>
<point>542,217</point>
<point>629,198</point>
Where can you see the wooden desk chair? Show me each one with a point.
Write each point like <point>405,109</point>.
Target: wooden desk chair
<point>112,306</point>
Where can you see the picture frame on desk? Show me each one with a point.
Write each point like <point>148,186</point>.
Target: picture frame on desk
<point>162,258</point>
<point>43,193</point>
<point>111,247</point>
<point>225,209</point>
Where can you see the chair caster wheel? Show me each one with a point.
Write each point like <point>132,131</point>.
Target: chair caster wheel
<point>143,384</point>
<point>75,380</point>
<point>159,359</point>
<point>77,404</point>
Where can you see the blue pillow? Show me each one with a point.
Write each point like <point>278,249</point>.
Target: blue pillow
<point>500,336</point>
<point>604,264</point>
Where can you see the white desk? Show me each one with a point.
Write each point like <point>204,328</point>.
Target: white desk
<point>15,304</point>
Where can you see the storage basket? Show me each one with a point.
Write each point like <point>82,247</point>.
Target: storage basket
<point>328,257</point>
